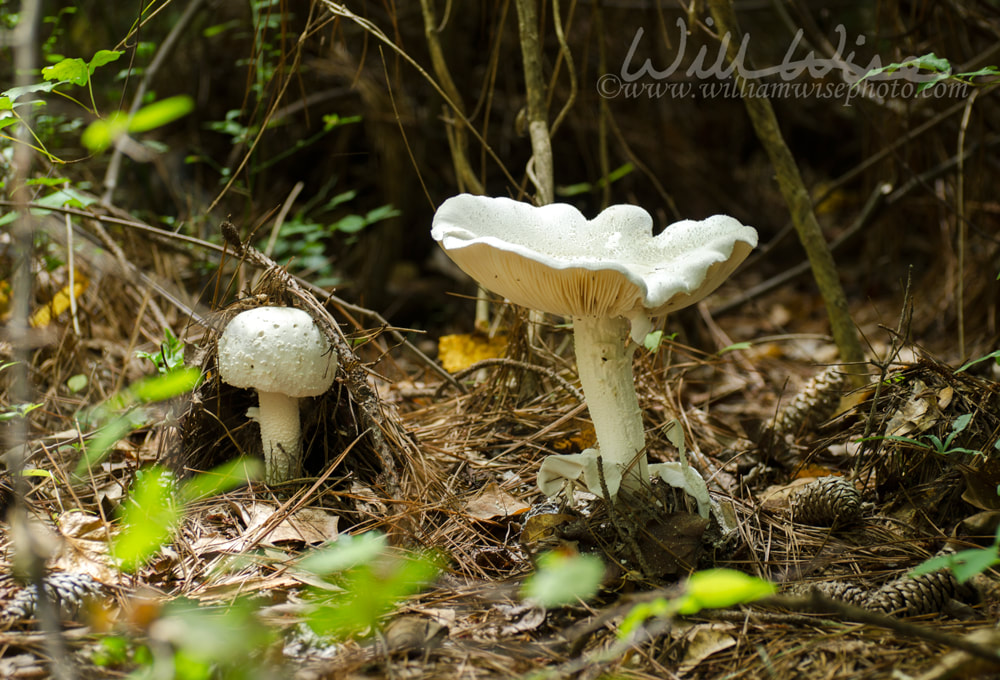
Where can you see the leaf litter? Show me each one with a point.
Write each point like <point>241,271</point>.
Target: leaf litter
<point>450,468</point>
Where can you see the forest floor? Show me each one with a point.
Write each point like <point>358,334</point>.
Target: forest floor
<point>404,554</point>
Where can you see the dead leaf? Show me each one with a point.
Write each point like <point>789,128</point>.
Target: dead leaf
<point>410,633</point>
<point>704,640</point>
<point>458,352</point>
<point>492,502</point>
<point>306,525</point>
<point>538,530</point>
<point>778,497</point>
<point>523,617</point>
<point>83,525</point>
<point>981,483</point>
<point>671,545</point>
<point>918,414</point>
<point>982,523</point>
<point>944,397</point>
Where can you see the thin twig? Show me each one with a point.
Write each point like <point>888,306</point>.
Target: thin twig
<point>504,361</point>
<point>962,227</point>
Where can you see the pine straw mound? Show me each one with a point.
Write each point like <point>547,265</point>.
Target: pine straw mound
<point>452,468</point>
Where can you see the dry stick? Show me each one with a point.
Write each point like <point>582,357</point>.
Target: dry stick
<point>162,54</point>
<point>504,361</point>
<point>818,602</point>
<point>293,69</point>
<point>540,167</point>
<point>168,236</point>
<point>962,227</point>
<point>796,196</point>
<point>604,112</point>
<point>282,214</point>
<point>458,141</point>
<point>29,554</point>
<point>565,54</point>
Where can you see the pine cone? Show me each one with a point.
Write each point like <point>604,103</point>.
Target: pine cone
<point>67,591</point>
<point>817,401</point>
<point>925,594</point>
<point>842,591</point>
<point>827,501</point>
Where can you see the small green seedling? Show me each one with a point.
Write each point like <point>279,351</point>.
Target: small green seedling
<point>933,442</point>
<point>171,354</point>
<point>992,355</point>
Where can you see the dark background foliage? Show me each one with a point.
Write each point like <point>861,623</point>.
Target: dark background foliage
<point>290,63</point>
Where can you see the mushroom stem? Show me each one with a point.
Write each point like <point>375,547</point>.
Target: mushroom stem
<point>604,363</point>
<point>278,417</point>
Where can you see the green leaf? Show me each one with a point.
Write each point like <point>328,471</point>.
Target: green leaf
<point>961,423</point>
<point>166,386</point>
<point>160,113</point>
<point>77,382</point>
<point>16,92</point>
<point>348,551</point>
<point>222,478</point>
<point>68,71</point>
<point>660,607</point>
<point>381,213</point>
<point>46,181</point>
<point>35,472</point>
<point>736,347</point>
<point>148,519</point>
<point>102,133</point>
<point>369,592</point>
<point>931,62</point>
<point>103,57</point>
<point>992,355</point>
<point>98,447</point>
<point>563,579</point>
<point>985,71</point>
<point>351,224</point>
<point>652,341</point>
<point>17,411</point>
<point>964,564</point>
<point>720,588</point>
<point>60,198</point>
<point>333,120</point>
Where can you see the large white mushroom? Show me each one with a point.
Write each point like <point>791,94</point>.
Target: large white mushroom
<point>611,275</point>
<point>279,352</point>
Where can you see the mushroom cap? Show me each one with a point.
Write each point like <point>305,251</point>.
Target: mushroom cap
<point>553,259</point>
<point>276,349</point>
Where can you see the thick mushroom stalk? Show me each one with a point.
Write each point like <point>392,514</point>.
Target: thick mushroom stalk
<point>611,275</point>
<point>280,434</point>
<point>604,363</point>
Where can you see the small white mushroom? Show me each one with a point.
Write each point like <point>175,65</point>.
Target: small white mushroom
<point>611,275</point>
<point>279,352</point>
